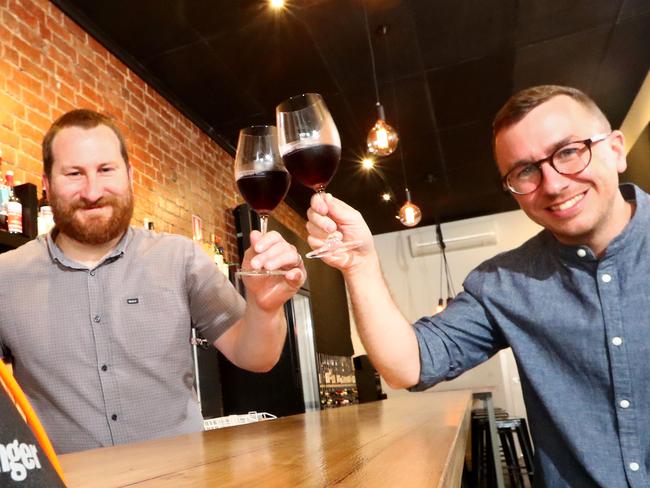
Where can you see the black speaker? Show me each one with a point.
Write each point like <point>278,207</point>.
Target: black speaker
<point>28,197</point>
<point>368,380</point>
<point>209,379</point>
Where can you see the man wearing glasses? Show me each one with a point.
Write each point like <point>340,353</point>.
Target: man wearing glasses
<point>572,302</point>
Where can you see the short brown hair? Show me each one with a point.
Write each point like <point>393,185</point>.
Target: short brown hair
<point>521,103</point>
<point>86,119</point>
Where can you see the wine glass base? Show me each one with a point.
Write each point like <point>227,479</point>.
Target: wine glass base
<point>261,272</point>
<point>332,248</point>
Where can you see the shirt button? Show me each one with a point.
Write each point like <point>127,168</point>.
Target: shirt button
<point>606,278</point>
<point>113,417</point>
<point>104,367</point>
<point>92,273</point>
<point>617,341</point>
<point>634,466</point>
<point>624,403</point>
<point>97,318</point>
<point>581,253</point>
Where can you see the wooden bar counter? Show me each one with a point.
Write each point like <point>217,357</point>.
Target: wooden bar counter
<point>415,440</point>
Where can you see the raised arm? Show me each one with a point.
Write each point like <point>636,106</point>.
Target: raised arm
<point>387,336</point>
<point>255,341</point>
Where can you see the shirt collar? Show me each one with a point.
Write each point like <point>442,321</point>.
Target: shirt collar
<point>639,220</point>
<point>631,193</point>
<point>58,256</point>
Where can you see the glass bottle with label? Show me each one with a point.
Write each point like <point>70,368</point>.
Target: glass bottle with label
<point>219,255</point>
<point>14,207</point>
<point>4,198</point>
<point>45,216</point>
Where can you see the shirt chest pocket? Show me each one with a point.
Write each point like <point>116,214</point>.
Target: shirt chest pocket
<point>152,323</point>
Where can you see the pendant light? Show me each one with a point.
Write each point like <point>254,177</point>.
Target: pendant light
<point>382,139</point>
<point>409,214</point>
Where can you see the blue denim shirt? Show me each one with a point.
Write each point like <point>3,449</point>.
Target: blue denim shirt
<point>579,328</point>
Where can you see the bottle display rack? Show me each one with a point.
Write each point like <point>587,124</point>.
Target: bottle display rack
<point>337,383</point>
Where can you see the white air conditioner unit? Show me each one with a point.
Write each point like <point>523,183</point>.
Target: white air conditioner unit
<point>455,235</point>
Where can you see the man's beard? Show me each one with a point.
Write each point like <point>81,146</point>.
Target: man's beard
<point>94,230</point>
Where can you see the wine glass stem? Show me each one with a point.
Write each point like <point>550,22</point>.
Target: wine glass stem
<point>264,222</point>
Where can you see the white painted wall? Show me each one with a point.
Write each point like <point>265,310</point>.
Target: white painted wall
<point>415,286</point>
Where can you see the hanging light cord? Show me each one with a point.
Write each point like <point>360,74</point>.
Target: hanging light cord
<point>394,99</point>
<point>372,54</point>
<point>441,269</point>
<point>406,186</point>
<point>451,292</point>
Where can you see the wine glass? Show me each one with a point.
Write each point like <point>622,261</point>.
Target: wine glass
<point>261,176</point>
<point>311,149</point>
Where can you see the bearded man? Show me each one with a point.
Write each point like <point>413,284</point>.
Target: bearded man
<point>97,315</point>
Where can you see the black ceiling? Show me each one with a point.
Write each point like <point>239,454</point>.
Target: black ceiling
<point>444,69</point>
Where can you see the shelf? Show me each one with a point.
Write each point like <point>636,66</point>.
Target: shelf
<point>11,241</point>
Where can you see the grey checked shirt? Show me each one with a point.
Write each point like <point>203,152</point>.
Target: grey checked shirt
<point>104,354</point>
<point>579,328</point>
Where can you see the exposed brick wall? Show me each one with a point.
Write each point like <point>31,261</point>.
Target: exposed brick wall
<point>49,65</point>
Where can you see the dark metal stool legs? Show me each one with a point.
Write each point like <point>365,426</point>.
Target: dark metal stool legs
<point>492,440</point>
<point>495,435</point>
<point>507,431</point>
<point>523,436</point>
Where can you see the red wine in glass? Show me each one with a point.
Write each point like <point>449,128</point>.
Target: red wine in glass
<point>313,166</point>
<point>262,178</point>
<point>311,149</point>
<point>265,190</point>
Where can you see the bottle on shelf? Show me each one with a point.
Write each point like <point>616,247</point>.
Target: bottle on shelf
<point>13,207</point>
<point>219,255</point>
<point>4,198</point>
<point>148,224</point>
<point>45,216</point>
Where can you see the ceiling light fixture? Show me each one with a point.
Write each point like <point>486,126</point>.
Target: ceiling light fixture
<point>276,4</point>
<point>386,197</point>
<point>367,163</point>
<point>410,214</point>
<point>382,139</point>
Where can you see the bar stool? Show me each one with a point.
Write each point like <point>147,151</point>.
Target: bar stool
<point>508,429</point>
<point>492,426</point>
<point>513,443</point>
<point>486,462</point>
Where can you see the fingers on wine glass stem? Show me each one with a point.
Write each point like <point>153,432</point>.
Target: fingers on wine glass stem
<point>332,240</point>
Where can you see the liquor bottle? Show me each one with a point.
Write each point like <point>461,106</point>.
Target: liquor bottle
<point>4,197</point>
<point>219,255</point>
<point>45,216</point>
<point>14,207</point>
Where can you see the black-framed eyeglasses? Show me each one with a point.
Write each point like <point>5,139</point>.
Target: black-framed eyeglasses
<point>569,159</point>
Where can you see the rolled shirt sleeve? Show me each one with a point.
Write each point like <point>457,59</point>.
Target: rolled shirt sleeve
<point>215,304</point>
<point>456,339</point>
